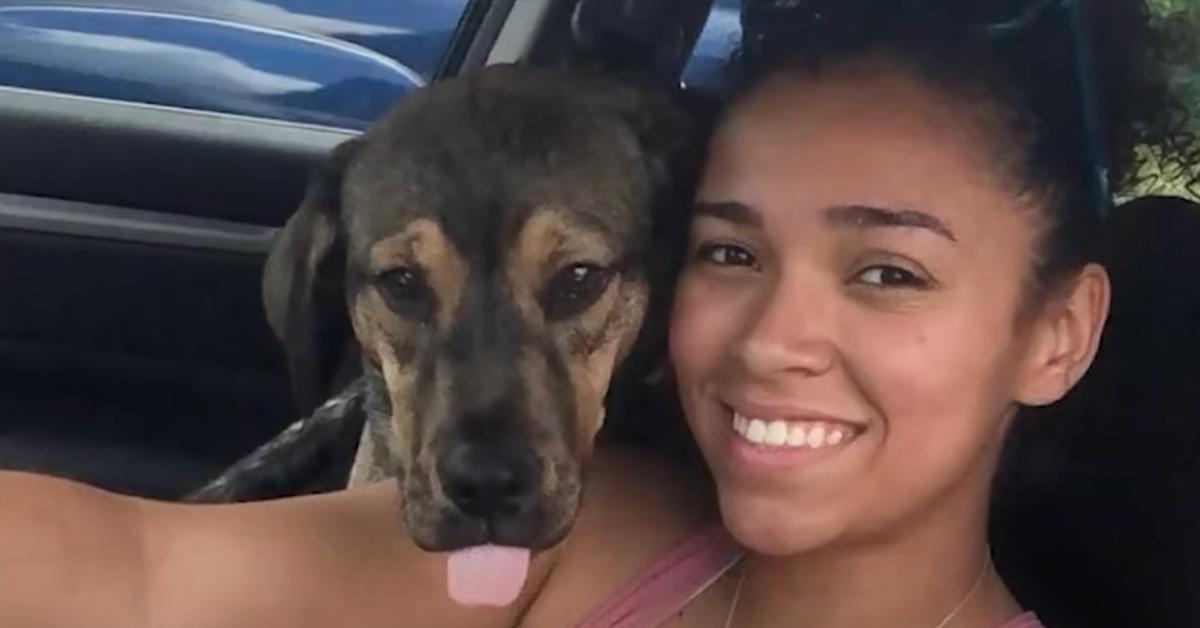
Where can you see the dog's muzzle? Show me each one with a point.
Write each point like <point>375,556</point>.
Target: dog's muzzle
<point>491,481</point>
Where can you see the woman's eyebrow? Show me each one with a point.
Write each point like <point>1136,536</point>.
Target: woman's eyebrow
<point>731,211</point>
<point>867,217</point>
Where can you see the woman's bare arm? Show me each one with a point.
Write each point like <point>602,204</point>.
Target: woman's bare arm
<point>70,555</point>
<point>73,555</point>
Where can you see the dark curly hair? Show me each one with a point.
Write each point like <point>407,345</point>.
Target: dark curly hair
<point>1023,57</point>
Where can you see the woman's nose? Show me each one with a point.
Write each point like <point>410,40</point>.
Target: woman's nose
<point>791,333</point>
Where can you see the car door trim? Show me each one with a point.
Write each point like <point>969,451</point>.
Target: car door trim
<point>87,220</point>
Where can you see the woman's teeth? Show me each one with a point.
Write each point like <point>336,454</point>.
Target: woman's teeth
<point>791,434</point>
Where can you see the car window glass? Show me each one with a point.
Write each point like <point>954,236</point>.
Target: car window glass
<point>719,38</point>
<point>336,64</point>
<point>1181,18</point>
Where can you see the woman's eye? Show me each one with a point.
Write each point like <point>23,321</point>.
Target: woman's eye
<point>726,255</point>
<point>886,276</point>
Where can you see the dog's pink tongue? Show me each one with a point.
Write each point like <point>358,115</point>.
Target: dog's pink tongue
<point>487,575</point>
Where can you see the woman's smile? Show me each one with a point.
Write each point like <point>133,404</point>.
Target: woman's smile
<point>775,435</point>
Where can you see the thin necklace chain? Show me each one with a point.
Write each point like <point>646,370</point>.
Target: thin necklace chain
<point>987,560</point>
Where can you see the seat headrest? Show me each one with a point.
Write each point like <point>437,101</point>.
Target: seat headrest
<point>1097,502</point>
<point>1153,258</point>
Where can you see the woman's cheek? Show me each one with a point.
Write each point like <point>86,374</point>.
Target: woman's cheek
<point>927,382</point>
<point>888,348</point>
<point>704,322</point>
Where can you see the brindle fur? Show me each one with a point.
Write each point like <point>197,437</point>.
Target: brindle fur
<point>486,187</point>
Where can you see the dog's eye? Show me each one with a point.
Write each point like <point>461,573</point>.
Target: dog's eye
<point>575,288</point>
<point>402,287</point>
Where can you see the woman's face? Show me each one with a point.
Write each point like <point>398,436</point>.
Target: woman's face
<point>845,332</point>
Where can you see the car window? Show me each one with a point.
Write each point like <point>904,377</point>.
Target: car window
<point>720,37</point>
<point>1181,18</point>
<point>330,63</point>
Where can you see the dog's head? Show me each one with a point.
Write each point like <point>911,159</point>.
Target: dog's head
<point>495,243</point>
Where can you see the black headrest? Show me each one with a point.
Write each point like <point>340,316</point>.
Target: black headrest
<point>1096,518</point>
<point>1153,257</point>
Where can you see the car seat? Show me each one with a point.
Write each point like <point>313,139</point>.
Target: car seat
<point>1096,518</point>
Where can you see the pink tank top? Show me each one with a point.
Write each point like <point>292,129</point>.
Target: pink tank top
<point>673,581</point>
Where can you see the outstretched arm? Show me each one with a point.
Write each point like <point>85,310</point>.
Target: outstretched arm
<point>70,555</point>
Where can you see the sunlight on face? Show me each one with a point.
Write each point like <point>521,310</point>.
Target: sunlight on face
<point>844,332</point>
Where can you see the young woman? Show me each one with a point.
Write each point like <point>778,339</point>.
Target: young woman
<point>892,253</point>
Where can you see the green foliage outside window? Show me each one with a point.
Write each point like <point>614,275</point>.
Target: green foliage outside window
<point>1181,20</point>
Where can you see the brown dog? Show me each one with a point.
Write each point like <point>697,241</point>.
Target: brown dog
<point>495,245</point>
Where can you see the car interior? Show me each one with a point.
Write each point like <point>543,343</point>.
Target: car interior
<point>134,354</point>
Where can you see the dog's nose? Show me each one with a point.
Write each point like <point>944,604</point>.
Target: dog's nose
<point>487,480</point>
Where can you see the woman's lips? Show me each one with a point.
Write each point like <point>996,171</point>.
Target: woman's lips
<point>786,437</point>
<point>792,433</point>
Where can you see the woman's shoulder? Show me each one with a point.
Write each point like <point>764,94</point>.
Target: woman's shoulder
<point>1024,620</point>
<point>637,509</point>
<point>643,501</point>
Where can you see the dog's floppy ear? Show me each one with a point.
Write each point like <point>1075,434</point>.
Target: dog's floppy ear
<point>672,131</point>
<point>672,128</point>
<point>303,284</point>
